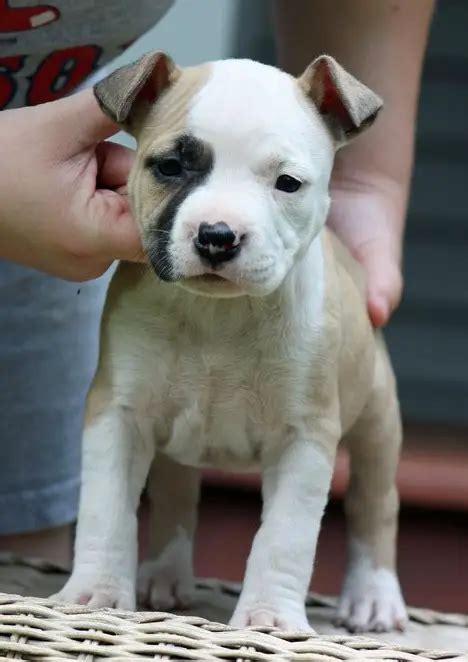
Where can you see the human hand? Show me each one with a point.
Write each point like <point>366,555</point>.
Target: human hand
<point>63,203</point>
<point>372,175</point>
<point>368,216</point>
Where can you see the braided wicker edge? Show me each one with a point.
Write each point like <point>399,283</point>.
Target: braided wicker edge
<point>39,629</point>
<point>418,615</point>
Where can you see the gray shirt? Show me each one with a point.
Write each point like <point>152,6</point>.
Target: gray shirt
<point>48,327</point>
<point>48,49</point>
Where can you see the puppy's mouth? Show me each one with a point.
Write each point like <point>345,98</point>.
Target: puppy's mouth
<point>211,284</point>
<point>208,279</point>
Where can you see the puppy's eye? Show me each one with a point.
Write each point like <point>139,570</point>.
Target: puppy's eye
<point>169,167</point>
<point>288,184</point>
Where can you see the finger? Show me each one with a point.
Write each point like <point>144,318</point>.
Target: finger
<point>115,234</point>
<point>79,121</point>
<point>114,163</point>
<point>379,310</point>
<point>385,285</point>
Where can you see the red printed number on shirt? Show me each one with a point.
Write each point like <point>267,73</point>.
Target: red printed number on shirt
<point>22,19</point>
<point>8,67</point>
<point>61,72</point>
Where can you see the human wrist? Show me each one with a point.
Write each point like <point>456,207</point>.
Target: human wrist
<point>391,192</point>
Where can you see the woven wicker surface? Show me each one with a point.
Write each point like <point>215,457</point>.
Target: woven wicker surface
<point>36,629</point>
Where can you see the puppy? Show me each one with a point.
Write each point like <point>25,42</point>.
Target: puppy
<point>246,345</point>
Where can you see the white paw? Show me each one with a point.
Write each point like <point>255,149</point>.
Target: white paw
<point>167,582</point>
<point>283,617</point>
<point>371,601</point>
<point>96,592</point>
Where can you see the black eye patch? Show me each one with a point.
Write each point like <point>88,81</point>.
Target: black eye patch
<point>194,154</point>
<point>169,167</point>
<point>189,158</point>
<point>183,168</point>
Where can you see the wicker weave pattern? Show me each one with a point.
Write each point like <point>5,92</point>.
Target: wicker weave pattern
<point>36,629</point>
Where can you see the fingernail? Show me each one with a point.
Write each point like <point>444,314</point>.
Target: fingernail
<point>379,311</point>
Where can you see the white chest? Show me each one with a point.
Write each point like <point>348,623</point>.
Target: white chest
<point>219,382</point>
<point>221,405</point>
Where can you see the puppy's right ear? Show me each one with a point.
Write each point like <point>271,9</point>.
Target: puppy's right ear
<point>135,87</point>
<point>346,105</point>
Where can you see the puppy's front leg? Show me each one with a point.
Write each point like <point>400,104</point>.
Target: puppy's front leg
<point>116,461</point>
<point>295,489</point>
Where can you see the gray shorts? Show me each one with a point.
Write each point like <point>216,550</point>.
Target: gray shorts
<point>48,351</point>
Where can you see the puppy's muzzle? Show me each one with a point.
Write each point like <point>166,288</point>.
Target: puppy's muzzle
<point>217,243</point>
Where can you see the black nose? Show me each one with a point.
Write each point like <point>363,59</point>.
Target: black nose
<point>217,243</point>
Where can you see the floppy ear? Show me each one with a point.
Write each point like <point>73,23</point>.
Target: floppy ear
<point>135,86</point>
<point>346,104</point>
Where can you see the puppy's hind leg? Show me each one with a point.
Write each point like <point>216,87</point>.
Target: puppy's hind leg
<point>371,598</point>
<point>165,580</point>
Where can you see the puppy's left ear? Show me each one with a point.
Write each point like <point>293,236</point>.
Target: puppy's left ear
<point>346,104</point>
<point>129,92</point>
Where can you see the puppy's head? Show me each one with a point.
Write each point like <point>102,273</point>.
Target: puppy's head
<point>230,182</point>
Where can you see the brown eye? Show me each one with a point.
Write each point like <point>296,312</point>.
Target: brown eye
<point>170,167</point>
<point>288,184</point>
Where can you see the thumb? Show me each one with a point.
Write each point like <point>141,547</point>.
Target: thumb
<point>384,283</point>
<point>80,122</point>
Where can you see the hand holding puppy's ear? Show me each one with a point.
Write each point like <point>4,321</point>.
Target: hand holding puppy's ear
<point>73,217</point>
<point>346,104</point>
<point>134,88</point>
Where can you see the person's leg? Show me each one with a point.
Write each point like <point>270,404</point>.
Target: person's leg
<point>48,350</point>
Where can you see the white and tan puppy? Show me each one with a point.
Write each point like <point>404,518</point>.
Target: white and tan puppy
<point>247,344</point>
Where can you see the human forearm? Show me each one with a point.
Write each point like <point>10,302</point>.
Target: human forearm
<point>381,42</point>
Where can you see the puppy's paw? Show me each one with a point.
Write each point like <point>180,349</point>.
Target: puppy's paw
<point>371,601</point>
<point>283,617</point>
<point>167,582</point>
<point>98,592</point>
<point>161,589</point>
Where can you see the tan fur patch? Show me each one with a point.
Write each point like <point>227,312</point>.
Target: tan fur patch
<point>357,354</point>
<point>157,131</point>
<point>126,279</point>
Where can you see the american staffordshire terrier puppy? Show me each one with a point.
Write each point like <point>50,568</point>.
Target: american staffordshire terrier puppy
<point>245,343</point>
